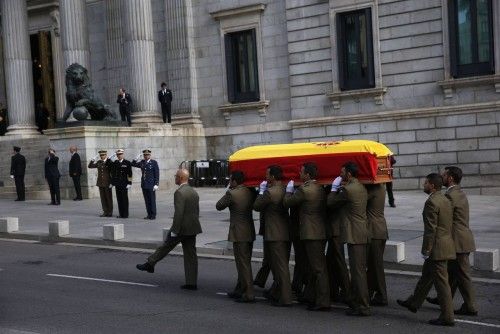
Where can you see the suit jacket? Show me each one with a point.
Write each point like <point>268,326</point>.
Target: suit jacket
<point>352,198</point>
<point>165,98</point>
<point>124,102</point>
<point>103,171</point>
<point>51,169</point>
<point>186,211</point>
<point>17,165</point>
<point>277,221</point>
<point>122,173</point>
<point>239,200</point>
<point>438,220</point>
<point>150,173</point>
<point>377,226</point>
<point>75,165</point>
<point>462,235</point>
<point>310,199</point>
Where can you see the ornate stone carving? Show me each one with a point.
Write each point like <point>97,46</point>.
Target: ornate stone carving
<point>54,15</point>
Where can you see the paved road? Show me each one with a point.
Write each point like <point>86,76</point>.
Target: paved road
<point>37,296</point>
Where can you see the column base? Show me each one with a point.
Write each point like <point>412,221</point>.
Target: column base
<point>187,120</point>
<point>145,118</point>
<point>23,131</point>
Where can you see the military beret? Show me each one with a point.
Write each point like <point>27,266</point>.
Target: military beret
<point>103,152</point>
<point>119,151</point>
<point>146,151</point>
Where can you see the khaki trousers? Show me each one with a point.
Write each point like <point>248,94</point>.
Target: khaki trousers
<point>106,200</point>
<point>459,277</point>
<point>243,258</point>
<point>358,296</point>
<point>337,268</point>
<point>317,289</point>
<point>265,269</point>
<point>375,273</point>
<point>278,257</point>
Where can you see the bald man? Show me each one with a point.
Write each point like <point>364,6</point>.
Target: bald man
<point>75,171</point>
<point>185,227</point>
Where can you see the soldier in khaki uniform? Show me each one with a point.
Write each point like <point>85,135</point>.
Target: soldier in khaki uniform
<point>437,248</point>
<point>104,167</point>
<point>310,200</point>
<point>459,269</point>
<point>185,227</point>
<point>276,234</point>
<point>352,198</point>
<point>239,199</point>
<point>377,226</point>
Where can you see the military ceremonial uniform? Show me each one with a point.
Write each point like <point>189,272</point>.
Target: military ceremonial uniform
<point>352,198</point>
<point>104,168</point>
<point>438,245</point>
<point>377,227</point>
<point>265,269</point>
<point>310,199</point>
<point>150,178</point>
<point>277,236</point>
<point>122,176</point>
<point>240,200</point>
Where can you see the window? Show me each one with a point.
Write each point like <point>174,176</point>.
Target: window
<point>355,50</point>
<point>241,66</point>
<point>471,37</point>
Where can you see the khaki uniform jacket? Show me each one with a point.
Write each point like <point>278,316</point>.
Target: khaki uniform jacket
<point>462,235</point>
<point>310,199</point>
<point>239,200</point>
<point>187,211</point>
<point>333,221</point>
<point>277,220</point>
<point>377,226</point>
<point>352,198</point>
<point>438,220</point>
<point>103,171</point>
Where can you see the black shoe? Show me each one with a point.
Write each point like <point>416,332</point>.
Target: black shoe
<point>440,322</point>
<point>77,199</point>
<point>110,215</point>
<point>358,312</point>
<point>463,311</point>
<point>407,305</point>
<point>392,205</point>
<point>57,203</point>
<point>17,200</point>
<point>103,215</point>
<point>146,217</point>
<point>318,308</point>
<point>245,300</point>
<point>259,284</point>
<point>152,218</point>
<point>51,203</point>
<point>266,294</point>
<point>146,267</point>
<point>278,304</point>
<point>375,302</point>
<point>234,295</point>
<point>189,287</point>
<point>432,300</point>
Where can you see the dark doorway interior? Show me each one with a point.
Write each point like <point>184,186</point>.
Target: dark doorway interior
<point>43,80</point>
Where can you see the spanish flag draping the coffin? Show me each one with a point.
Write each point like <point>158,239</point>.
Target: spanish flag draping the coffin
<point>371,157</point>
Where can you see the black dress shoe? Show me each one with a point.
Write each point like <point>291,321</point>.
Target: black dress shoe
<point>110,215</point>
<point>358,312</point>
<point>278,304</point>
<point>146,267</point>
<point>152,218</point>
<point>57,203</point>
<point>245,300</point>
<point>259,284</point>
<point>51,203</point>
<point>407,305</point>
<point>375,302</point>
<point>392,205</point>
<point>234,295</point>
<point>189,287</point>
<point>440,322</point>
<point>464,311</point>
<point>318,308</point>
<point>146,217</point>
<point>432,300</point>
<point>266,294</point>
<point>103,215</point>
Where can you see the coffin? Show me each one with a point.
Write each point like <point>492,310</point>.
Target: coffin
<point>372,158</point>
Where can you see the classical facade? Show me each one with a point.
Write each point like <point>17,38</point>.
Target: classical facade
<point>421,76</point>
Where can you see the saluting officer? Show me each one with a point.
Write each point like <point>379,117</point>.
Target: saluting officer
<point>122,180</point>
<point>149,181</point>
<point>104,167</point>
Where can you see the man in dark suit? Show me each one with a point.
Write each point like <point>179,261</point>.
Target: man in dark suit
<point>310,198</point>
<point>165,98</point>
<point>125,104</point>
<point>52,176</point>
<point>17,170</point>
<point>150,181</point>
<point>185,227</point>
<point>437,249</point>
<point>104,169</point>
<point>75,171</point>
<point>459,269</point>
<point>349,195</point>
<point>276,233</point>
<point>122,181</point>
<point>239,199</point>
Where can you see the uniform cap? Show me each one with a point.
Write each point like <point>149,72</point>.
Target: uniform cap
<point>103,152</point>
<point>17,148</point>
<point>119,151</point>
<point>146,151</point>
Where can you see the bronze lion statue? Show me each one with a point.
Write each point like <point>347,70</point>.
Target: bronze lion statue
<point>80,95</point>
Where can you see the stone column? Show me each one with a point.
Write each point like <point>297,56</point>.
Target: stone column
<point>74,35</point>
<point>140,58</point>
<point>18,68</point>
<point>57,65</point>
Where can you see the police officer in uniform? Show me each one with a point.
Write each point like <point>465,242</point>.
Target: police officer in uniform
<point>122,181</point>
<point>149,181</point>
<point>104,167</point>
<point>17,170</point>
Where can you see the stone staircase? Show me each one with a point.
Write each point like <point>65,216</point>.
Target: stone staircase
<point>35,151</point>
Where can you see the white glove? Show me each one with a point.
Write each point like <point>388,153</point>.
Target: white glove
<point>155,187</point>
<point>139,156</point>
<point>425,257</point>
<point>94,158</point>
<point>336,183</point>
<point>289,187</point>
<point>262,187</point>
<point>113,157</point>
<point>129,186</point>
<point>110,186</point>
<point>228,187</point>
<point>173,234</point>
<point>12,176</point>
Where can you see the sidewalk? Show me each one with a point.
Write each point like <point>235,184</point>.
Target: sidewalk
<point>404,221</point>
